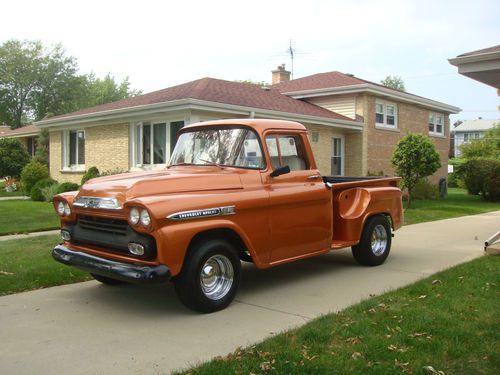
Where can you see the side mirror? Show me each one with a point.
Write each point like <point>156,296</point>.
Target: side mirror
<point>281,170</point>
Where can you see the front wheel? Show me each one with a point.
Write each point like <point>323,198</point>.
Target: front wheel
<point>210,276</point>
<point>375,244</point>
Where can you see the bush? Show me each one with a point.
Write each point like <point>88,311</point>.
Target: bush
<point>13,157</point>
<point>110,172</point>
<point>453,180</point>
<point>482,176</point>
<point>67,186</point>
<point>425,190</point>
<point>49,192</point>
<point>92,172</point>
<point>31,174</point>
<point>36,190</point>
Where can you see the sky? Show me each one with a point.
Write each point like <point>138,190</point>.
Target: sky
<point>159,44</point>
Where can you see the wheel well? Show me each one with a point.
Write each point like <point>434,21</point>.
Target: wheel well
<point>228,234</point>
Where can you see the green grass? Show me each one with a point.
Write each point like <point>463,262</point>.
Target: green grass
<point>27,265</point>
<point>457,203</point>
<point>21,216</point>
<point>449,321</point>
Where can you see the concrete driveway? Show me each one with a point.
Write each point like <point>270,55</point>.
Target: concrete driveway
<point>89,328</point>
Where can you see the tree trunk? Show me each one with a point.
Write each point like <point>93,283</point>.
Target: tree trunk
<point>409,198</point>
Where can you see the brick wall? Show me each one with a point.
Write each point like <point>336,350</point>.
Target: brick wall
<point>381,142</point>
<point>106,147</point>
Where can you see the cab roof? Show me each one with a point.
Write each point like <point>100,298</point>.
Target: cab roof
<point>259,125</point>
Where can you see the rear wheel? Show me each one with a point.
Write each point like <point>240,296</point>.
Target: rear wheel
<point>107,280</point>
<point>375,244</point>
<point>210,276</point>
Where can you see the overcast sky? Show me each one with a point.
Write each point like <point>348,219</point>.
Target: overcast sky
<point>163,43</point>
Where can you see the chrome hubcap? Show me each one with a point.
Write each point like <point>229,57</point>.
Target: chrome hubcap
<point>379,240</point>
<point>216,277</point>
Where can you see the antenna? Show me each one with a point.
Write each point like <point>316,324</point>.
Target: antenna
<point>291,51</point>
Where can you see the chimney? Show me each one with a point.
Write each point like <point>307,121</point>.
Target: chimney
<point>280,74</point>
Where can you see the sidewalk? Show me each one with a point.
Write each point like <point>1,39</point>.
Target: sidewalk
<point>28,235</point>
<point>88,328</point>
<point>17,197</point>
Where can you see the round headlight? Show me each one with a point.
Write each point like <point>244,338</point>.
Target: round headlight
<point>60,208</point>
<point>134,216</point>
<point>67,210</point>
<point>145,219</point>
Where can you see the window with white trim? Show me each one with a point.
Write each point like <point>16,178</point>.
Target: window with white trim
<point>153,142</point>
<point>73,149</point>
<point>386,114</point>
<point>436,123</point>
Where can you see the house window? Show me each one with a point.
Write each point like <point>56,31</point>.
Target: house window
<point>386,114</point>
<point>153,142</point>
<point>337,158</point>
<point>73,150</point>
<point>436,123</point>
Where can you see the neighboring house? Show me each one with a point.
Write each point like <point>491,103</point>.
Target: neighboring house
<point>354,124</point>
<point>470,130</point>
<point>28,136</point>
<point>482,65</point>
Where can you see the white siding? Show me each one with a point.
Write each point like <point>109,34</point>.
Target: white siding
<point>342,104</point>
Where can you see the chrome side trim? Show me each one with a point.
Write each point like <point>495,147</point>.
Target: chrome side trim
<point>96,202</point>
<point>205,212</point>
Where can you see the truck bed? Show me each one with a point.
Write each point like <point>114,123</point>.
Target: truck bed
<point>345,182</point>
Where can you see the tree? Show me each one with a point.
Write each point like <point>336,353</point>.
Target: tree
<point>486,147</point>
<point>252,82</point>
<point>42,152</point>
<point>13,157</point>
<point>414,158</point>
<point>394,82</point>
<point>36,82</point>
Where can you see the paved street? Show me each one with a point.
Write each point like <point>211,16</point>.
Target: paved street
<point>89,328</point>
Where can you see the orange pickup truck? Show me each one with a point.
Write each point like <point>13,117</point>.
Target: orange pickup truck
<point>234,190</point>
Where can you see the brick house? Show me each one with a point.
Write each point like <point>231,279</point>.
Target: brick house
<point>354,124</point>
<point>27,135</point>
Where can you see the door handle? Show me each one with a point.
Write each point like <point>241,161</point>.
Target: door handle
<point>313,176</point>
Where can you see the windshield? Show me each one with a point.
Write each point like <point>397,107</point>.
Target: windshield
<point>234,147</point>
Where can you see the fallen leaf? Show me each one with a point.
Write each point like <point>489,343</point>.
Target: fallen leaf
<point>266,366</point>
<point>5,273</point>
<point>356,355</point>
<point>431,370</point>
<point>353,340</point>
<point>434,282</point>
<point>422,296</point>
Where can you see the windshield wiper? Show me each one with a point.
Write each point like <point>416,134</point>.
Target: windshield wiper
<point>175,165</point>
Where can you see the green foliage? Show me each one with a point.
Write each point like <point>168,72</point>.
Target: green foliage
<point>252,82</point>
<point>486,147</point>
<point>31,174</point>
<point>42,152</point>
<point>49,192</point>
<point>111,172</point>
<point>425,190</point>
<point>482,176</point>
<point>414,158</point>
<point>67,186</point>
<point>36,82</point>
<point>92,172</point>
<point>13,157</point>
<point>394,82</point>
<point>36,191</point>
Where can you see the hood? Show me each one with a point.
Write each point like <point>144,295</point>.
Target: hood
<point>134,185</point>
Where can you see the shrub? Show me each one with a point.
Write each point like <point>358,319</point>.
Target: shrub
<point>31,174</point>
<point>92,172</point>
<point>67,186</point>
<point>13,157</point>
<point>425,190</point>
<point>110,172</point>
<point>453,179</point>
<point>49,192</point>
<point>36,190</point>
<point>482,176</point>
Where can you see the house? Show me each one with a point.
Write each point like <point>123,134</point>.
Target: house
<point>354,124</point>
<point>482,65</point>
<point>470,130</point>
<point>27,135</point>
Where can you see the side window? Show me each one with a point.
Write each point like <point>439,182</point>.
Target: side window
<point>286,150</point>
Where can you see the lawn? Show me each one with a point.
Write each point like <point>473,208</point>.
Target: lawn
<point>21,216</point>
<point>448,322</point>
<point>457,203</point>
<point>27,265</point>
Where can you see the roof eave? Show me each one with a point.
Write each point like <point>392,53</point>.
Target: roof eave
<point>376,90</point>
<point>193,104</point>
<point>460,60</point>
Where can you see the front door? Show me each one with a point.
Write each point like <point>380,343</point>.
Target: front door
<point>300,203</point>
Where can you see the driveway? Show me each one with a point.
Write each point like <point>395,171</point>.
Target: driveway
<point>89,328</point>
